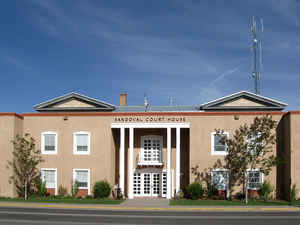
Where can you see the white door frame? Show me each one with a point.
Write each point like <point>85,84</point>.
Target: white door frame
<point>151,172</point>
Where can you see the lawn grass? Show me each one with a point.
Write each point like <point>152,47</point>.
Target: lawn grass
<point>64,200</point>
<point>229,203</point>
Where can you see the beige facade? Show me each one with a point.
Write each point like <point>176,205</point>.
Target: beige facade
<point>104,158</point>
<point>10,125</point>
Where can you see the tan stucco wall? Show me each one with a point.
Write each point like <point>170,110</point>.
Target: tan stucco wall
<point>73,103</point>
<point>294,125</point>
<point>10,126</point>
<point>200,139</point>
<point>242,102</point>
<point>104,158</point>
<point>101,151</point>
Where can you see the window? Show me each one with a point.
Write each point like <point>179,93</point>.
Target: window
<point>151,150</point>
<point>49,176</point>
<point>82,176</point>
<point>217,147</point>
<point>81,144</point>
<point>254,144</point>
<point>255,179</point>
<point>219,178</point>
<point>49,142</point>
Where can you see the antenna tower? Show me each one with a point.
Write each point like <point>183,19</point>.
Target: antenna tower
<point>257,53</point>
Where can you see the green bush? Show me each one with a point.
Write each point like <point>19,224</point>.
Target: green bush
<point>101,189</point>
<point>265,190</point>
<point>75,188</point>
<point>195,191</point>
<point>41,189</point>
<point>294,192</point>
<point>212,191</point>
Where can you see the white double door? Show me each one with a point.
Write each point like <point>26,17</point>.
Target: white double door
<point>150,184</point>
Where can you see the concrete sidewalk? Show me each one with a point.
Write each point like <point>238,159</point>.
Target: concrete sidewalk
<point>144,202</point>
<point>141,205</point>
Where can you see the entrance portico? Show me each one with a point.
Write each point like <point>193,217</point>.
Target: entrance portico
<point>152,177</point>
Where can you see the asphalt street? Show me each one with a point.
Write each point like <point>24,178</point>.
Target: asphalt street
<point>45,216</point>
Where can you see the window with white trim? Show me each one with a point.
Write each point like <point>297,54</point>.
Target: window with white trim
<point>49,177</point>
<point>219,178</point>
<point>151,150</point>
<point>218,147</point>
<point>81,143</point>
<point>82,176</point>
<point>49,142</point>
<point>255,179</point>
<point>253,143</point>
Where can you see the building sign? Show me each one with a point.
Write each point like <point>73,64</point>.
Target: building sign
<point>149,119</point>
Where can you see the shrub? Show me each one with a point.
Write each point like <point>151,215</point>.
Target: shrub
<point>62,191</point>
<point>265,190</point>
<point>212,191</point>
<point>41,189</point>
<point>101,189</point>
<point>239,196</point>
<point>75,188</point>
<point>294,192</point>
<point>194,191</point>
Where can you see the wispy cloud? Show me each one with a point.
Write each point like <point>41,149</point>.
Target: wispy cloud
<point>16,63</point>
<point>289,9</point>
<point>215,88</point>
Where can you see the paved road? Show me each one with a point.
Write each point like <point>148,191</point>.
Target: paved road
<point>26,216</point>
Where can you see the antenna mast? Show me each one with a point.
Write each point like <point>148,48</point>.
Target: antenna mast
<point>257,54</point>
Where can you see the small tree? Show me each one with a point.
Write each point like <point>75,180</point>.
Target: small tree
<point>251,147</point>
<point>25,159</point>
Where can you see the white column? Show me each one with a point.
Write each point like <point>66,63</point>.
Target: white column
<point>169,191</point>
<point>177,159</point>
<point>131,145</point>
<point>121,159</point>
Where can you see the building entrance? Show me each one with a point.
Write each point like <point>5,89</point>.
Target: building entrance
<point>150,183</point>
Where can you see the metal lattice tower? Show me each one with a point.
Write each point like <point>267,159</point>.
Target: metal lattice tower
<point>257,54</point>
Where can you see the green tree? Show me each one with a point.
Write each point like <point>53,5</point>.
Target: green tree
<point>25,159</point>
<point>250,147</point>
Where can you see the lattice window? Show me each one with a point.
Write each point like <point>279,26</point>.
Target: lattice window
<point>164,184</point>
<point>147,183</point>
<point>151,149</point>
<point>137,183</point>
<point>155,183</point>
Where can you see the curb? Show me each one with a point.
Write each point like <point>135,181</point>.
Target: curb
<point>120,208</point>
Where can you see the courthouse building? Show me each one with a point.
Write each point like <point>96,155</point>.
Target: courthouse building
<point>145,150</point>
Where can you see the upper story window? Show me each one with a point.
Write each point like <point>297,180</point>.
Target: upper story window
<point>218,147</point>
<point>49,176</point>
<point>81,143</point>
<point>219,178</point>
<point>255,179</point>
<point>49,142</point>
<point>82,177</point>
<point>254,143</point>
<point>151,150</point>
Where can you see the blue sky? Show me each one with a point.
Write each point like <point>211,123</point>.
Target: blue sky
<point>194,51</point>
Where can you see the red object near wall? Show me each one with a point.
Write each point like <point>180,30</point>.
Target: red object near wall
<point>253,194</point>
<point>82,192</point>
<point>50,191</point>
